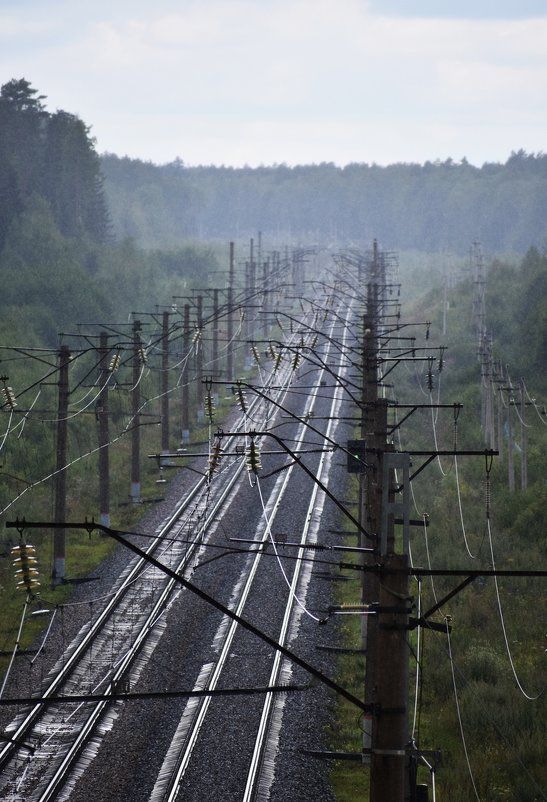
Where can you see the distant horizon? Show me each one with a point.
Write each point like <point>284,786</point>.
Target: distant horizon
<point>273,166</point>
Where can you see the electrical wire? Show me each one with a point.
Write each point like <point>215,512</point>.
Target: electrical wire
<point>434,428</point>
<point>541,415</point>
<point>8,430</point>
<point>269,533</point>
<point>527,696</point>
<point>462,733</point>
<point>46,636</point>
<point>417,683</point>
<point>25,416</point>
<point>462,522</point>
<point>28,598</point>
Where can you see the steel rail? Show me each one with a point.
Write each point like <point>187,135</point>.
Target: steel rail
<point>139,568</point>
<point>254,775</point>
<point>177,760</point>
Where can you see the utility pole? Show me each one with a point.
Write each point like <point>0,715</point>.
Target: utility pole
<point>200,345</point>
<point>58,575</point>
<point>265,303</point>
<point>499,382</point>
<point>510,442</point>
<point>135,414</point>
<point>385,635</point>
<point>250,275</point>
<point>164,384</point>
<point>373,437</point>
<point>101,411</point>
<point>215,329</point>
<point>384,503</point>
<point>389,774</point>
<point>230,321</point>
<point>523,440</point>
<point>185,377</point>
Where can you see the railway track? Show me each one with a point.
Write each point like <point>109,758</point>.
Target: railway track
<point>64,738</point>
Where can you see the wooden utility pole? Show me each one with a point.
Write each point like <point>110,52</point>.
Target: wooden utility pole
<point>58,575</point>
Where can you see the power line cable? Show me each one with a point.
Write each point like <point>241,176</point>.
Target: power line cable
<point>460,721</point>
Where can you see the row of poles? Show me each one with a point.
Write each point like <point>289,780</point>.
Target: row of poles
<point>384,501</point>
<point>229,309</point>
<point>502,401</point>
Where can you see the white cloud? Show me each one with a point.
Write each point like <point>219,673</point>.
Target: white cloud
<point>219,79</point>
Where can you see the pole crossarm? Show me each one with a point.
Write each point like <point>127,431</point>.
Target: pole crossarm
<point>117,696</point>
<point>295,456</point>
<point>182,455</point>
<point>304,420</point>
<point>418,572</point>
<point>414,407</point>
<point>454,592</point>
<point>431,455</point>
<point>122,537</point>
<point>397,360</point>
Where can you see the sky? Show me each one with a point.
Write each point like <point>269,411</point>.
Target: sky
<point>250,82</point>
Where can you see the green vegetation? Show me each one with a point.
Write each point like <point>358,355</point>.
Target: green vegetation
<point>437,206</point>
<point>50,155</point>
<point>62,271</point>
<point>504,731</point>
<point>502,727</point>
<point>73,231</point>
<point>350,779</point>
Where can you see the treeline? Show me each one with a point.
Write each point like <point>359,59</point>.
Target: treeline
<point>60,260</point>
<point>431,207</point>
<point>52,156</point>
<point>515,307</point>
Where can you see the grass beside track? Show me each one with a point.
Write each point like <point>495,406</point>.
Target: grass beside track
<point>350,779</point>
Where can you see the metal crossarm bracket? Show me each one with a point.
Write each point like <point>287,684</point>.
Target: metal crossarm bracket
<point>395,461</point>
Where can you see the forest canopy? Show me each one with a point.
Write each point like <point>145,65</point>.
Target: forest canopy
<point>435,206</point>
<point>50,155</point>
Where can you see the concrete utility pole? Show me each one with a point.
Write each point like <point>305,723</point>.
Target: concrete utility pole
<point>164,383</point>
<point>389,770</point>
<point>230,320</point>
<point>215,330</point>
<point>101,411</point>
<point>510,440</point>
<point>384,503</point>
<point>385,634</point>
<point>523,440</point>
<point>499,379</point>
<point>250,275</point>
<point>200,345</point>
<point>185,377</point>
<point>373,436</point>
<point>58,575</point>
<point>265,296</point>
<point>135,415</point>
